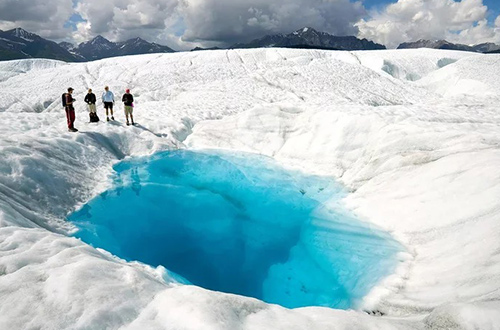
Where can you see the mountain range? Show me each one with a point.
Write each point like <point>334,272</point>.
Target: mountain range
<point>310,38</point>
<point>19,43</point>
<point>100,47</point>
<point>443,44</point>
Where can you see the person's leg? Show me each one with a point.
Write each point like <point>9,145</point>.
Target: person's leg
<point>71,112</point>
<point>131,111</point>
<point>125,109</point>
<point>128,112</point>
<point>111,110</point>
<point>68,118</point>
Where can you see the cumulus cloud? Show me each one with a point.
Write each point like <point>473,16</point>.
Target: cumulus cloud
<point>410,20</point>
<point>119,20</point>
<point>45,18</point>
<point>236,20</point>
<point>212,22</point>
<point>183,24</point>
<point>126,14</point>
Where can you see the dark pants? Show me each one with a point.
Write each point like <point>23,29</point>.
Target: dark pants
<point>70,116</point>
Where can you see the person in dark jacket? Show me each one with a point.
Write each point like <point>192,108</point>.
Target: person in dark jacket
<point>70,110</point>
<point>128,102</point>
<point>90,99</point>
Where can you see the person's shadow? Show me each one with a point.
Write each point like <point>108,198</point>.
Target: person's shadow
<point>160,135</point>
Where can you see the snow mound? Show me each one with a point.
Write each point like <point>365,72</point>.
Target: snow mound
<point>408,64</point>
<point>475,76</point>
<point>10,69</point>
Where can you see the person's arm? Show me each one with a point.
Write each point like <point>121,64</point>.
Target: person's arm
<point>69,99</point>
<point>102,97</point>
<point>123,98</point>
<point>86,100</point>
<point>113,97</point>
<point>131,98</point>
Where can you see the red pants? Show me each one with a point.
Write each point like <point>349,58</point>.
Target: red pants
<point>70,116</point>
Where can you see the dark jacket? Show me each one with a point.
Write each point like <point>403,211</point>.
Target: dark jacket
<point>127,99</point>
<point>90,98</point>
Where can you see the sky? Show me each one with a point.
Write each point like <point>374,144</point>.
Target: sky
<point>184,24</point>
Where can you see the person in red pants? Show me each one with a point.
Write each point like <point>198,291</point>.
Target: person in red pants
<point>70,110</point>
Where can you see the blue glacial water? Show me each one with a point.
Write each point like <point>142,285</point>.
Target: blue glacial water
<point>239,223</point>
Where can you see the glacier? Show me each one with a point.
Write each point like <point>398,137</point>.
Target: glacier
<point>413,135</point>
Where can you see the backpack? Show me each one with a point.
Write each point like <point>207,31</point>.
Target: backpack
<point>93,117</point>
<point>64,100</point>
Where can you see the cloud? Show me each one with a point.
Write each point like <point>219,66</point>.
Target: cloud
<point>45,18</point>
<point>213,22</point>
<point>231,21</point>
<point>410,20</point>
<point>183,24</point>
<point>123,19</point>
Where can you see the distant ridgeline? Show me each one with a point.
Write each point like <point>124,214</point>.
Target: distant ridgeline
<point>310,38</point>
<point>443,44</point>
<point>20,44</point>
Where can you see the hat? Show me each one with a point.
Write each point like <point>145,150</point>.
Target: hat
<point>127,90</point>
<point>70,89</point>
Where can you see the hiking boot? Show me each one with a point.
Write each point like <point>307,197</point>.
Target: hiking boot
<point>112,118</point>
<point>107,118</point>
<point>128,123</point>
<point>73,129</point>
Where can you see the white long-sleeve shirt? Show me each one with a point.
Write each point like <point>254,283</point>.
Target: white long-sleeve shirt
<point>108,97</point>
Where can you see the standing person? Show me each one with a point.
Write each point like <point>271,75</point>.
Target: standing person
<point>128,103</point>
<point>90,99</point>
<point>108,99</point>
<point>70,110</point>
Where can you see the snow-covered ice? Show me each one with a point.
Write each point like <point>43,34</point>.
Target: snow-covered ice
<point>414,135</point>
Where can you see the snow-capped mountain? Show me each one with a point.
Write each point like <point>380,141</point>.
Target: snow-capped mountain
<point>97,48</point>
<point>436,44</point>
<point>23,34</point>
<point>487,48</point>
<point>19,43</point>
<point>443,44</point>
<point>100,47</point>
<point>310,38</point>
<point>67,45</point>
<point>140,46</point>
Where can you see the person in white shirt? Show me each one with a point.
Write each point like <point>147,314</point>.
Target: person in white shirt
<point>108,99</point>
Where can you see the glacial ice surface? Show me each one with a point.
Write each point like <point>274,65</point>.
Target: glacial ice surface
<point>240,224</point>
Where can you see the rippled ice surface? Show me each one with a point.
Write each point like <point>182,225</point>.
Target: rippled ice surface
<point>239,223</point>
